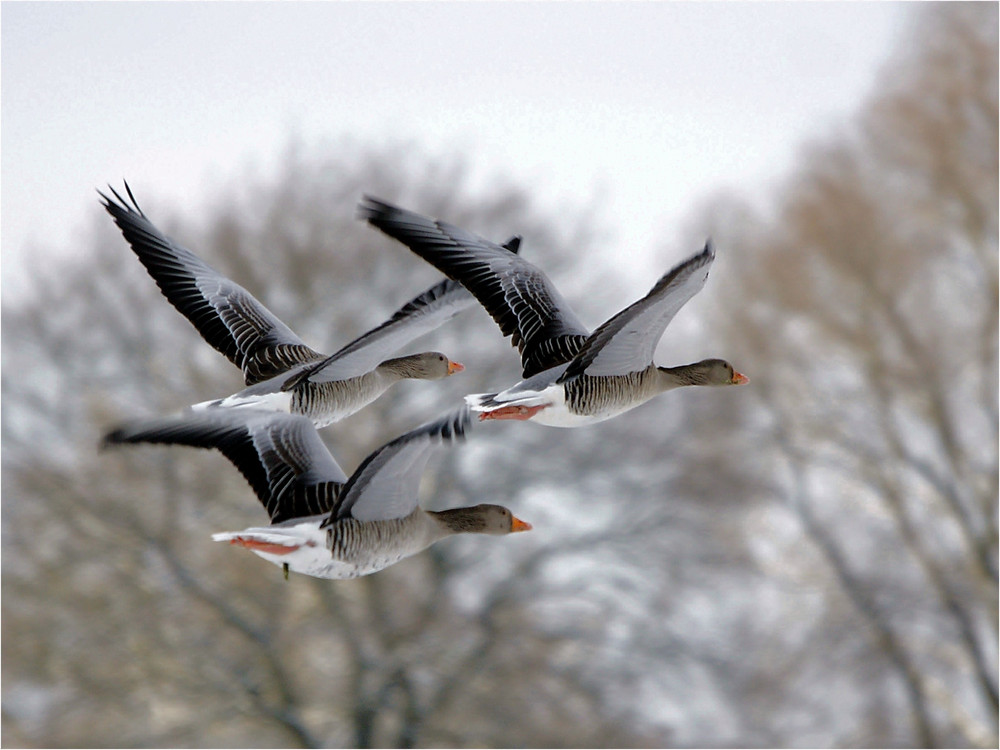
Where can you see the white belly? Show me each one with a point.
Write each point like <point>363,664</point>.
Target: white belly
<point>555,414</point>
<point>560,416</point>
<point>315,561</point>
<point>308,553</point>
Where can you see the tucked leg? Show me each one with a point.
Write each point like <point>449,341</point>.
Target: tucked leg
<point>514,411</point>
<point>268,547</point>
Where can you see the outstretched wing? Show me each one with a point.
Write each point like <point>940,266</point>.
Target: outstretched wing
<point>280,455</point>
<point>226,315</point>
<point>518,296</point>
<point>421,315</point>
<point>385,485</point>
<point>626,342</point>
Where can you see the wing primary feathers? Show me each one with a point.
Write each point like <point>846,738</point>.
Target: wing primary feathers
<point>281,456</point>
<point>518,296</point>
<point>226,315</point>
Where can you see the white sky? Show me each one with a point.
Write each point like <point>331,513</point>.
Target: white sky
<point>654,104</point>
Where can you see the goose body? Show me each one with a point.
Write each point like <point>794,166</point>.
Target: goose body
<point>283,373</point>
<point>588,399</point>
<point>350,549</point>
<point>325,402</point>
<point>322,523</point>
<point>571,377</point>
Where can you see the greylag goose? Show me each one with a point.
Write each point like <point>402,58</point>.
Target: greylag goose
<point>572,377</point>
<point>283,374</point>
<point>322,523</point>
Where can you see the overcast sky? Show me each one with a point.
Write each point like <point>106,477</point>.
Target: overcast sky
<point>654,104</point>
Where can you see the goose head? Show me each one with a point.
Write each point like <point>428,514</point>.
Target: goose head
<point>423,366</point>
<point>706,372</point>
<point>480,519</point>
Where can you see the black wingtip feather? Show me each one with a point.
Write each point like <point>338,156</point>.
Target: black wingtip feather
<point>370,208</point>
<point>451,426</point>
<point>132,197</point>
<point>111,440</point>
<point>513,244</point>
<point>130,206</point>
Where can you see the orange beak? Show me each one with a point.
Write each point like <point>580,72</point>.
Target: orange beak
<point>740,379</point>
<point>516,524</point>
<point>454,367</point>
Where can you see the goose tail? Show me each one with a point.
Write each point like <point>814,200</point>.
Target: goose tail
<point>487,402</point>
<point>482,401</point>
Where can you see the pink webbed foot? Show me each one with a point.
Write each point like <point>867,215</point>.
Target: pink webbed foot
<point>512,412</point>
<point>268,547</point>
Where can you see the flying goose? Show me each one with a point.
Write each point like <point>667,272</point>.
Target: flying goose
<point>282,373</point>
<point>322,523</point>
<point>571,377</point>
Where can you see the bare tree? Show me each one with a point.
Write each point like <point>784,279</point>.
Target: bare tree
<point>865,305</point>
<point>807,561</point>
<point>122,620</point>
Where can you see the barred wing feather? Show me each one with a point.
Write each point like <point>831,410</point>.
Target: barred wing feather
<point>281,455</point>
<point>226,315</point>
<point>516,294</point>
